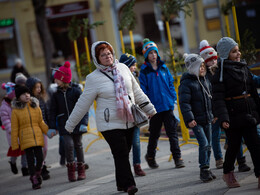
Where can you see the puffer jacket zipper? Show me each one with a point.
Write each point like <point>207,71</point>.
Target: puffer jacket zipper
<point>31,124</point>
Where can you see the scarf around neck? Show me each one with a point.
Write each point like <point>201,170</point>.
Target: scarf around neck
<point>122,100</point>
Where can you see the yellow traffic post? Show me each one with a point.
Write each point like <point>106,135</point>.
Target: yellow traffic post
<point>122,41</point>
<point>87,52</point>
<point>227,26</point>
<point>132,42</point>
<point>77,58</point>
<point>235,23</point>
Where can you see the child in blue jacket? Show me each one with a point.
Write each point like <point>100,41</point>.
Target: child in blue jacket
<point>157,83</point>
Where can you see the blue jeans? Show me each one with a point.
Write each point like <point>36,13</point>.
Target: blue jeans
<point>136,146</point>
<point>203,135</point>
<point>216,133</point>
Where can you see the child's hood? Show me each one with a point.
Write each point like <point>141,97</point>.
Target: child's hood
<point>34,102</point>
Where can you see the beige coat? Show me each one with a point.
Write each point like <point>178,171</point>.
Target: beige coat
<point>100,88</point>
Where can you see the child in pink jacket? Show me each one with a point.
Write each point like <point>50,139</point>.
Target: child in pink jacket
<point>5,114</point>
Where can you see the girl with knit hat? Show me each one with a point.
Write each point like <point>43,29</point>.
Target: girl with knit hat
<point>210,57</point>
<point>130,61</point>
<point>29,126</point>
<point>157,83</point>
<point>195,98</point>
<point>111,85</point>
<point>237,105</point>
<point>37,90</point>
<point>62,103</point>
<point>5,114</point>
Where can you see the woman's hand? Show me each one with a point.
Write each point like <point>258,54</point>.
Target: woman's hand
<point>192,124</point>
<point>225,125</point>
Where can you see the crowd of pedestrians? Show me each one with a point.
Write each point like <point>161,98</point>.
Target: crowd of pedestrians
<point>217,92</point>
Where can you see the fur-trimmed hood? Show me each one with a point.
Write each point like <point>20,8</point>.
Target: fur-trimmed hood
<point>20,105</point>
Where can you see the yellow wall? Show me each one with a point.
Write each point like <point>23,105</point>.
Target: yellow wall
<point>212,36</point>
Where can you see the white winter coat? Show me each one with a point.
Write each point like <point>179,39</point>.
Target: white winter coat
<point>100,88</point>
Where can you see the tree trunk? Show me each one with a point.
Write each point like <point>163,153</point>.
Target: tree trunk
<point>45,35</point>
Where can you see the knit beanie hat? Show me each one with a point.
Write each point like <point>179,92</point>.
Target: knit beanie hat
<point>127,59</point>
<point>207,52</point>
<point>9,87</point>
<point>224,46</point>
<point>20,79</point>
<point>192,63</point>
<point>21,89</point>
<point>149,46</point>
<point>64,73</point>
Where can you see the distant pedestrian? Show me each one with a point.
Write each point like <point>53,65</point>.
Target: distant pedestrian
<point>18,68</point>
<point>110,85</point>
<point>37,90</point>
<point>195,98</point>
<point>130,62</point>
<point>157,83</point>
<point>209,54</point>
<point>29,126</point>
<point>5,114</point>
<point>237,106</point>
<point>62,103</point>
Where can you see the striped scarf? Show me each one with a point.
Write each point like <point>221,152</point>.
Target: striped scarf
<point>122,100</point>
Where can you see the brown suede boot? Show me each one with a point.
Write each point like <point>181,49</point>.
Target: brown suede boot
<point>81,171</point>
<point>230,180</point>
<point>71,171</point>
<point>138,170</point>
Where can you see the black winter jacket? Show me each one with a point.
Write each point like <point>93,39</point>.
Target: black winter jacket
<point>195,104</point>
<point>237,80</point>
<point>61,106</point>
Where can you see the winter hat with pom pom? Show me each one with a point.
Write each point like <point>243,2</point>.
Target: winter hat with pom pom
<point>149,46</point>
<point>9,87</point>
<point>20,79</point>
<point>192,63</point>
<point>63,73</point>
<point>207,52</point>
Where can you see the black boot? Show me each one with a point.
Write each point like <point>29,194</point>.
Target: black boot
<point>205,175</point>
<point>242,166</point>
<point>45,173</point>
<point>13,167</point>
<point>151,162</point>
<point>25,171</point>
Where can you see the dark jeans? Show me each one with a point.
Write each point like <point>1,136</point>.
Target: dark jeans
<point>120,142</point>
<point>32,154</point>
<point>170,123</point>
<point>73,141</point>
<point>234,137</point>
<point>61,147</point>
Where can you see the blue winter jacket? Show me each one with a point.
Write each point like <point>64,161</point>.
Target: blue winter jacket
<point>158,86</point>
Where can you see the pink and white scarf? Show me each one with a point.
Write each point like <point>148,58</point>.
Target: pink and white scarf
<point>122,100</point>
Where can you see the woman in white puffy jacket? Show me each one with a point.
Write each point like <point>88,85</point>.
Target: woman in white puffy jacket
<point>110,85</point>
